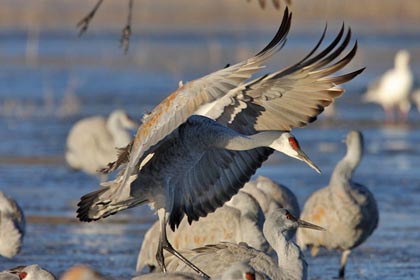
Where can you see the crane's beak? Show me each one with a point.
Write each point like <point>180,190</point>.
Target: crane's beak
<point>303,157</point>
<point>304,224</point>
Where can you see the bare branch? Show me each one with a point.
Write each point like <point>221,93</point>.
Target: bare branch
<point>126,32</point>
<point>83,24</point>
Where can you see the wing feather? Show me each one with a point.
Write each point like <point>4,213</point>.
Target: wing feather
<point>292,97</point>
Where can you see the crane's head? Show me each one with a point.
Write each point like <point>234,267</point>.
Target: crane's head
<point>288,221</point>
<point>288,145</point>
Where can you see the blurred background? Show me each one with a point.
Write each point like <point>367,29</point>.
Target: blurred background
<point>50,78</point>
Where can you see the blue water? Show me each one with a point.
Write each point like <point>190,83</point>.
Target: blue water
<point>93,70</point>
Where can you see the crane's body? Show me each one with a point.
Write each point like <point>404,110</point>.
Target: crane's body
<point>346,209</point>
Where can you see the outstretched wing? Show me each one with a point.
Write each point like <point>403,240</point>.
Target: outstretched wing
<point>289,98</point>
<point>286,99</point>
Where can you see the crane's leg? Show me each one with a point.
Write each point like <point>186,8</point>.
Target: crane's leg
<point>164,244</point>
<point>343,262</point>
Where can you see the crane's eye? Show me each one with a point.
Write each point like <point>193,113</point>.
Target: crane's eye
<point>23,275</point>
<point>294,143</point>
<point>290,216</point>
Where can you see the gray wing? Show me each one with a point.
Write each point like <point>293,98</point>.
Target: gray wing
<point>292,97</point>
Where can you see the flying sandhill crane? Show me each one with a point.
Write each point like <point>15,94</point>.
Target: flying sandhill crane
<point>92,142</point>
<point>393,88</point>
<point>231,223</point>
<point>213,259</point>
<point>190,165</point>
<point>12,227</point>
<point>237,271</point>
<point>346,209</point>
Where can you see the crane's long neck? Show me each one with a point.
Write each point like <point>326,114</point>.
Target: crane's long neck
<point>238,142</point>
<point>291,264</point>
<point>345,167</point>
<point>118,132</point>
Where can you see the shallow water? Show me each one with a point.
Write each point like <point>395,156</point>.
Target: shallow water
<point>34,124</point>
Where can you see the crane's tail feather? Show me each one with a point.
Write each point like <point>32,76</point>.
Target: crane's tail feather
<point>99,204</point>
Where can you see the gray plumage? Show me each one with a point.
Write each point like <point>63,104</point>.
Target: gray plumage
<point>236,221</point>
<point>214,259</point>
<point>93,142</point>
<point>4,275</point>
<point>236,271</point>
<point>347,210</point>
<point>185,165</point>
<point>12,227</point>
<point>267,192</point>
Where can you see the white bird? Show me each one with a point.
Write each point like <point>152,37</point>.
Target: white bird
<point>393,88</point>
<point>190,165</point>
<point>346,209</point>
<point>237,221</point>
<point>82,272</point>
<point>12,227</point>
<point>237,271</point>
<point>30,272</point>
<point>93,142</point>
<point>214,259</point>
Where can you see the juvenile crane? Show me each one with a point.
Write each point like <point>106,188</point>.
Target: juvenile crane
<point>190,165</point>
<point>346,209</point>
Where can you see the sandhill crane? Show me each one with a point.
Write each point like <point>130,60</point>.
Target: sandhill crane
<point>82,272</point>
<point>266,191</point>
<point>191,165</point>
<point>93,142</point>
<point>12,227</point>
<point>237,271</point>
<point>227,223</point>
<point>30,272</point>
<point>393,88</point>
<point>213,259</point>
<point>346,209</point>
